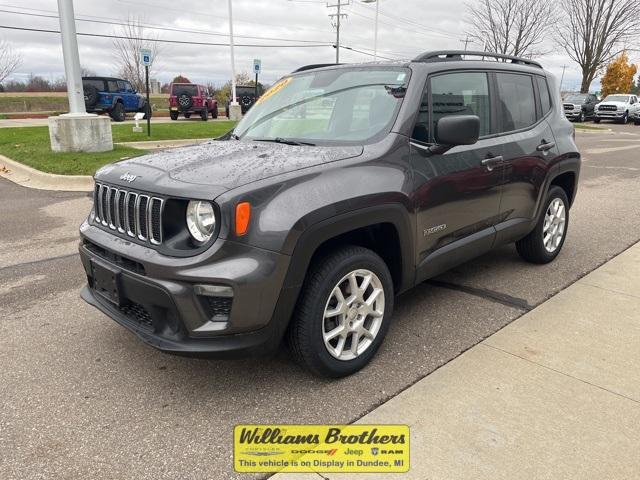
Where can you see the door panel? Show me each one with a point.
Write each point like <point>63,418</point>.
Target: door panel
<point>456,195</point>
<point>528,152</point>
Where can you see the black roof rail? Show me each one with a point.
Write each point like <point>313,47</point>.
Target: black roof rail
<point>314,66</point>
<point>453,55</point>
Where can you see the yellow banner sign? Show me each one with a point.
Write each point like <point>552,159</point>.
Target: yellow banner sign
<point>321,448</point>
<point>273,90</point>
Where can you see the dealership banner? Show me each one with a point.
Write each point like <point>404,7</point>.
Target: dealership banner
<point>321,448</point>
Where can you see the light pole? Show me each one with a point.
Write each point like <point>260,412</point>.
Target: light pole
<point>235,112</point>
<point>76,131</point>
<point>375,36</point>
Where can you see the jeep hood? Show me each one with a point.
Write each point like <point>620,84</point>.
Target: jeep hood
<point>217,166</point>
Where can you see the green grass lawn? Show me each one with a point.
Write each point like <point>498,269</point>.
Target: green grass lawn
<point>582,126</point>
<point>30,145</point>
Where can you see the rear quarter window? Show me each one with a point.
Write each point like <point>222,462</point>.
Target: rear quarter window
<point>545,98</point>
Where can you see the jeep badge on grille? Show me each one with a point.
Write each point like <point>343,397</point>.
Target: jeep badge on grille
<point>127,177</point>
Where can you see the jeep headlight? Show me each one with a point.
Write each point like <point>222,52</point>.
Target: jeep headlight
<point>201,220</point>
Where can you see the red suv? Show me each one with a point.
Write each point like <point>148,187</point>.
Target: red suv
<point>188,98</point>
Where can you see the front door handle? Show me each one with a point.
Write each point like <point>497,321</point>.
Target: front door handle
<point>491,162</point>
<point>545,146</point>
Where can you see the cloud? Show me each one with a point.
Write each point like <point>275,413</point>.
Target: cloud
<point>406,28</point>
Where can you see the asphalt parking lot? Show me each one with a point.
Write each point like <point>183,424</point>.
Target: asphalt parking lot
<point>80,397</point>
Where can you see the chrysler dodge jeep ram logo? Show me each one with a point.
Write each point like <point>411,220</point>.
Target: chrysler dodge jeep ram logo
<point>127,177</point>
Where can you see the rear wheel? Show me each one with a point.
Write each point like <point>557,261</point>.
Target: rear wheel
<point>544,243</point>
<point>118,113</point>
<point>214,112</point>
<point>343,312</point>
<point>173,115</point>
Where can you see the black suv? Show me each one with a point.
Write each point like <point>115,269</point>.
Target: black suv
<point>246,96</point>
<point>341,188</point>
<point>580,106</point>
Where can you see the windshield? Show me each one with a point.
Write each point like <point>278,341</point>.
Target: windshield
<point>576,98</point>
<point>616,98</point>
<point>338,106</point>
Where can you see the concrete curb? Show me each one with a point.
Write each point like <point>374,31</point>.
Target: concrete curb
<point>32,178</point>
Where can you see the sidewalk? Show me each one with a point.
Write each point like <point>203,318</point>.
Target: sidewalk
<point>554,395</point>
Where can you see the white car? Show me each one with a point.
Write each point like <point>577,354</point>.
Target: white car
<point>618,107</point>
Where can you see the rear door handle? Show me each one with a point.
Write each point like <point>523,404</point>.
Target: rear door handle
<point>491,162</point>
<point>544,146</point>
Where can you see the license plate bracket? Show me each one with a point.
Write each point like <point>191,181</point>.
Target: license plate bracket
<point>106,282</point>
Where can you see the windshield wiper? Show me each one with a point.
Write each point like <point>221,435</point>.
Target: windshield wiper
<point>286,141</point>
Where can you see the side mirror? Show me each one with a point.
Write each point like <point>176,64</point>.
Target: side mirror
<point>457,130</point>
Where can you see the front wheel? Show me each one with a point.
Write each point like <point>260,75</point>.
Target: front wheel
<point>204,114</point>
<point>343,312</point>
<point>544,243</point>
<point>625,118</point>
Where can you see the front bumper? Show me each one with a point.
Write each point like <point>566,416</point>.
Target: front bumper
<point>158,301</point>
<point>609,115</point>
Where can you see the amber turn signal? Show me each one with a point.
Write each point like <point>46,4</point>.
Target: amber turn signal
<point>243,215</point>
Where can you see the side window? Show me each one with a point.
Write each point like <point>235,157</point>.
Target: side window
<point>128,87</point>
<point>455,94</point>
<point>545,98</point>
<point>516,101</point>
<point>113,86</point>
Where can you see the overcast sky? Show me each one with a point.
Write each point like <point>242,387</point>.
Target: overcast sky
<point>407,27</point>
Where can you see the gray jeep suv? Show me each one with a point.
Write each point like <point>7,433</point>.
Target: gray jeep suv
<point>342,187</point>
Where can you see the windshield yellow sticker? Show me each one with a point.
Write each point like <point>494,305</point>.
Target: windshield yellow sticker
<point>273,90</point>
<point>321,448</point>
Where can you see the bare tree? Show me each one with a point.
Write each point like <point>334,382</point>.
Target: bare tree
<point>511,27</point>
<point>10,60</point>
<point>133,38</point>
<point>594,31</point>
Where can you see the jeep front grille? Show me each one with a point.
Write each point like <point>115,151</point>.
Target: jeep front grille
<point>134,214</point>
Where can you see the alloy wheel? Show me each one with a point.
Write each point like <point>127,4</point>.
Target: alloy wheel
<point>353,314</point>
<point>554,225</point>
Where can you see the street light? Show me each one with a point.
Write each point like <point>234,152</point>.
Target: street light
<point>375,38</point>
<point>234,112</point>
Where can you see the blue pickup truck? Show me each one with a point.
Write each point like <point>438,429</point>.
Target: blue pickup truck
<point>114,96</point>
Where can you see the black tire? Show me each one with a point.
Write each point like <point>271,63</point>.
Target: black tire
<point>204,114</point>
<point>214,112</point>
<point>117,112</point>
<point>531,248</point>
<point>625,118</point>
<point>596,120</point>
<point>91,95</point>
<point>173,115</point>
<point>187,114</point>
<point>304,335</point>
<point>582,117</point>
<point>636,122</point>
